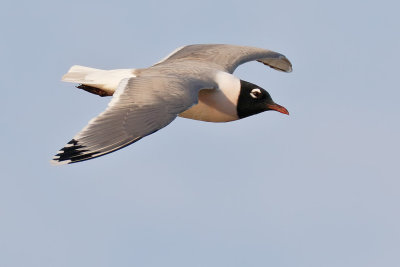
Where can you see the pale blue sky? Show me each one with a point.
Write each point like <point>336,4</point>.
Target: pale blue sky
<point>317,188</point>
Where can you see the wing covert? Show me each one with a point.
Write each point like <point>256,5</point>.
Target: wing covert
<point>139,107</point>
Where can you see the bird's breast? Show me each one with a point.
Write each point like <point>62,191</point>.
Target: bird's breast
<point>214,106</point>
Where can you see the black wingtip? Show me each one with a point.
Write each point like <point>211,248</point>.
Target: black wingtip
<point>71,153</point>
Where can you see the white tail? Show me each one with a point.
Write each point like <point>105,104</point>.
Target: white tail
<point>106,80</point>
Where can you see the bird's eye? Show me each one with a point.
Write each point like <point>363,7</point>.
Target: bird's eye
<point>255,93</point>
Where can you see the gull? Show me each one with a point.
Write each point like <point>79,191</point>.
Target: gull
<point>194,82</point>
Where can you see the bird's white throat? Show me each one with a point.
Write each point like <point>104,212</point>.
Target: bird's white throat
<point>229,85</point>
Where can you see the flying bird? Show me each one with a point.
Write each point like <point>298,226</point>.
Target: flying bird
<point>193,82</point>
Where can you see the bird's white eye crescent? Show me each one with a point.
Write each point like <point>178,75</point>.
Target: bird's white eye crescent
<point>255,93</point>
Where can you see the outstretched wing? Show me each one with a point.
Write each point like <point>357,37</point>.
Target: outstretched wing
<point>229,57</point>
<point>139,107</point>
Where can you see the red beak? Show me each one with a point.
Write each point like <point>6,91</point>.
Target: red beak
<point>278,108</point>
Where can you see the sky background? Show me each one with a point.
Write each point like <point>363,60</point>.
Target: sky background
<point>317,188</point>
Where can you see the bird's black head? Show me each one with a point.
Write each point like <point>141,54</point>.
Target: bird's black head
<point>253,100</point>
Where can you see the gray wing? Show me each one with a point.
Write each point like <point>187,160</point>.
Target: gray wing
<point>139,107</point>
<point>229,57</point>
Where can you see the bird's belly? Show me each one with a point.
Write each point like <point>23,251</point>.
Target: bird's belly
<point>213,106</point>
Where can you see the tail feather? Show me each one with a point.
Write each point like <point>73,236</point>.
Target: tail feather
<point>104,80</point>
<point>77,74</point>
